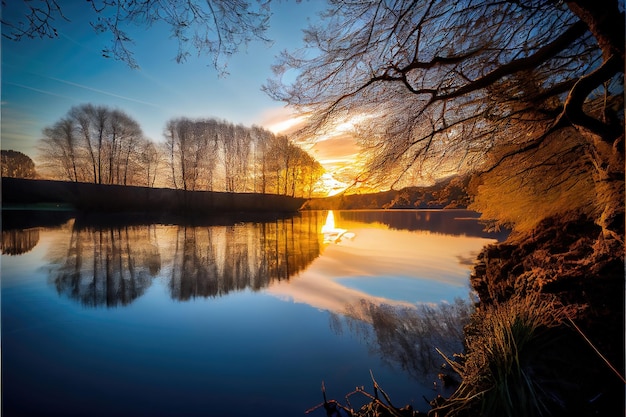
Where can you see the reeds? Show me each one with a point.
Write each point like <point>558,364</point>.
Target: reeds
<point>509,368</point>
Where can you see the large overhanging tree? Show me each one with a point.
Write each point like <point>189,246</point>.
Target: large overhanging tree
<point>446,86</point>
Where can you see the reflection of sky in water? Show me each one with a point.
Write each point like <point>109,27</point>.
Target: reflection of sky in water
<point>383,265</point>
<point>401,288</point>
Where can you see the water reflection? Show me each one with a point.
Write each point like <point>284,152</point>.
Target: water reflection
<point>111,265</point>
<point>408,336</point>
<point>18,242</point>
<point>244,348</point>
<point>400,283</point>
<point>20,228</point>
<point>213,261</point>
<point>384,265</point>
<point>331,233</point>
<point>108,266</point>
<point>449,222</point>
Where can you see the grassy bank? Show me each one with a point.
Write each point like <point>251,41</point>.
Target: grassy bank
<point>547,337</point>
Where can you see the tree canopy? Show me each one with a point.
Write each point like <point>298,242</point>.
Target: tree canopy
<point>96,144</point>
<point>529,92</point>
<point>453,80</point>
<point>16,164</point>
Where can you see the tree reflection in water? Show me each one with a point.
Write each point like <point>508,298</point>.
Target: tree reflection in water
<point>409,336</point>
<point>18,242</point>
<point>113,265</point>
<point>108,266</point>
<point>212,261</point>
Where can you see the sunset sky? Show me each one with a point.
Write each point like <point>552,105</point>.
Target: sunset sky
<point>43,78</point>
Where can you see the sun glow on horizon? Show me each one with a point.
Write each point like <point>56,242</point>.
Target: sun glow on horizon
<point>335,146</point>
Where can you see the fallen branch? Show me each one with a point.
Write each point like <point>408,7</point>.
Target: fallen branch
<point>375,408</point>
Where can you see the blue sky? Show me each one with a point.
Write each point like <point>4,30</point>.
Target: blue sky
<point>43,78</point>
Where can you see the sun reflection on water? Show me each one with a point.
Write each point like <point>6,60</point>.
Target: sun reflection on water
<point>333,234</point>
<point>384,265</point>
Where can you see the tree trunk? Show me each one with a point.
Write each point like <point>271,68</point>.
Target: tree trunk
<point>605,22</point>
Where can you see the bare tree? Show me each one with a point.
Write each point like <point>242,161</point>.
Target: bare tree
<point>177,134</point>
<point>262,139</point>
<point>150,159</point>
<point>93,144</point>
<point>216,28</point>
<point>213,155</point>
<point>59,150</point>
<point>90,122</point>
<point>192,146</point>
<point>228,143</point>
<point>309,173</point>
<point>243,140</point>
<point>123,135</point>
<point>438,85</point>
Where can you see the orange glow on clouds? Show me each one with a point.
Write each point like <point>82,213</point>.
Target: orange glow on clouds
<point>336,149</point>
<point>281,120</point>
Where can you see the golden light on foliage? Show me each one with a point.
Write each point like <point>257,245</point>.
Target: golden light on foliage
<point>548,181</point>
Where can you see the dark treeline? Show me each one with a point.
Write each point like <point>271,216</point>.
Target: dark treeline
<point>99,145</point>
<point>105,198</point>
<point>436,222</point>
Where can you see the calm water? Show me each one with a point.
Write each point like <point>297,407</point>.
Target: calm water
<point>229,317</point>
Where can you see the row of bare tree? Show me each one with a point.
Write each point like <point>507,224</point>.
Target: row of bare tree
<point>106,146</point>
<point>207,154</point>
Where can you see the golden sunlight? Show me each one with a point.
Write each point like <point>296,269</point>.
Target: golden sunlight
<point>329,185</point>
<point>333,234</point>
<point>336,148</point>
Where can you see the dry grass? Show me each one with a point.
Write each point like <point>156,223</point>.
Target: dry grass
<point>510,368</point>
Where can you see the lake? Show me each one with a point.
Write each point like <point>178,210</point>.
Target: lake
<point>230,316</point>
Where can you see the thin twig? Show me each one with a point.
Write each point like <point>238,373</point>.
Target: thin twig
<point>597,351</point>
<point>376,386</point>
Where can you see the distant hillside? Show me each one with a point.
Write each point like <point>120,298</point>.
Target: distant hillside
<point>449,193</point>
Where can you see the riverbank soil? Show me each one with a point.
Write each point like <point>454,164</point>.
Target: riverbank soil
<point>570,261</point>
